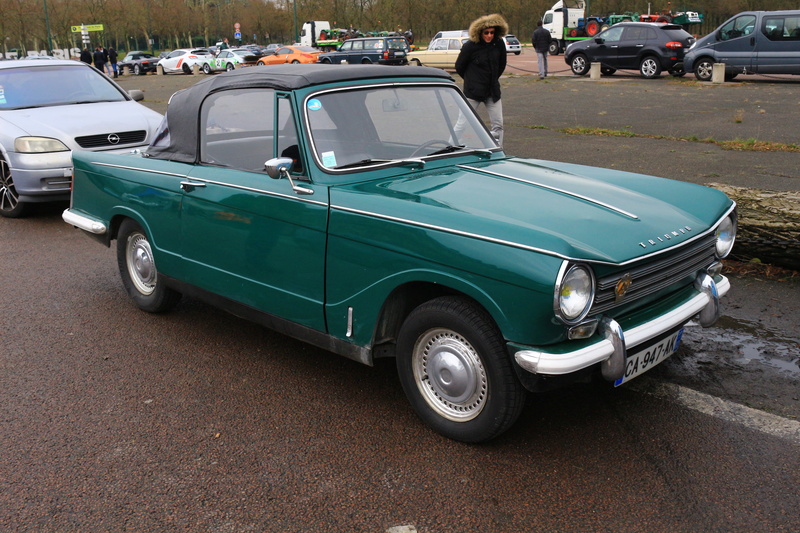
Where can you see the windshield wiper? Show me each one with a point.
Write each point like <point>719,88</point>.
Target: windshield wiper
<point>459,147</point>
<point>365,162</point>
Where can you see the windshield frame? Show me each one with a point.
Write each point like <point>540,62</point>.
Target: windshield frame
<point>473,121</point>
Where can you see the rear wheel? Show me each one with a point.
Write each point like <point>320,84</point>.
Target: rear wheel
<point>704,68</point>
<point>137,267</point>
<point>554,48</point>
<point>454,369</point>
<point>295,62</point>
<point>326,61</point>
<point>206,68</point>
<point>137,69</point>
<point>229,67</point>
<point>10,206</point>
<point>580,64</point>
<point>592,28</point>
<point>650,67</point>
<point>366,61</point>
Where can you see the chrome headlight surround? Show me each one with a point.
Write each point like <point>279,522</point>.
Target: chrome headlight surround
<point>725,234</point>
<point>38,145</point>
<point>574,292</point>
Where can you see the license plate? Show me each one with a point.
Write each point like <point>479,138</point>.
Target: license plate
<point>399,54</point>
<point>642,361</point>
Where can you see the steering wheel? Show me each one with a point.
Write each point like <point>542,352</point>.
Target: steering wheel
<point>429,144</point>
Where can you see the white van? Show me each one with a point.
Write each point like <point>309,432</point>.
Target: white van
<point>452,34</point>
<point>753,42</point>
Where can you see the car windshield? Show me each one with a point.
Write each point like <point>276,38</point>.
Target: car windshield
<point>55,85</point>
<point>392,125</point>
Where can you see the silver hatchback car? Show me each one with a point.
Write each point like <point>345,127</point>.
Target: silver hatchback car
<point>47,110</point>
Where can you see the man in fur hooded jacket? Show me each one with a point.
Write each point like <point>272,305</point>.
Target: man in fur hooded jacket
<point>480,63</point>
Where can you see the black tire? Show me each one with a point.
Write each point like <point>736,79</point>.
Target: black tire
<point>704,68</point>
<point>580,64</point>
<point>730,76</point>
<point>10,206</point>
<point>650,67</point>
<point>366,61</point>
<point>475,395</point>
<point>229,67</point>
<point>137,70</point>
<point>517,53</point>
<point>326,61</point>
<point>416,62</point>
<point>554,48</point>
<point>677,72</point>
<point>186,69</point>
<point>295,62</point>
<point>137,268</point>
<point>206,68</point>
<point>607,71</point>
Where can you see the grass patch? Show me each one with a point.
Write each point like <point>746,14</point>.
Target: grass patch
<point>752,145</point>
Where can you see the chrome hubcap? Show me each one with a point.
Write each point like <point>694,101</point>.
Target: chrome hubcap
<point>450,375</point>
<point>141,266</point>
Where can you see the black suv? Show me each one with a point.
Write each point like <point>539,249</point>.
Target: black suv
<point>649,47</point>
<point>382,50</point>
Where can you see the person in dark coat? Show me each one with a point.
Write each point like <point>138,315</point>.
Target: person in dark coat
<point>480,63</point>
<point>541,43</point>
<point>86,56</point>
<point>99,59</point>
<point>112,58</point>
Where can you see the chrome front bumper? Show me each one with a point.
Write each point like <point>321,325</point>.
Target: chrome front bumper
<point>612,350</point>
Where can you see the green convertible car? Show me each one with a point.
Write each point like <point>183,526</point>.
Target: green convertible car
<point>368,211</point>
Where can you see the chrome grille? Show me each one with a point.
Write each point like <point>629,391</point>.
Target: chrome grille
<point>103,140</point>
<point>678,267</point>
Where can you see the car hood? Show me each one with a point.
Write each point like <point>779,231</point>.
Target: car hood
<point>69,121</point>
<point>570,211</point>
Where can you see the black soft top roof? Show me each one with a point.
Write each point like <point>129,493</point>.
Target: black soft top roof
<point>182,113</point>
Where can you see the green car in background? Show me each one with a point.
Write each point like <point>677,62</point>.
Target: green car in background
<point>369,212</point>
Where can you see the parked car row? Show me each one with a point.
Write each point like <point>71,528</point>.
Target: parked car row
<point>756,42</point>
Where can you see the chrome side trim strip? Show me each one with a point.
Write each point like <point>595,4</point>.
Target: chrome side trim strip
<point>555,189</point>
<point>83,222</point>
<point>544,362</point>
<point>213,182</point>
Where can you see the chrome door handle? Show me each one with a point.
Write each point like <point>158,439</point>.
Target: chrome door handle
<point>189,186</point>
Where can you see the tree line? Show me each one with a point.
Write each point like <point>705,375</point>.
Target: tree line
<point>33,26</point>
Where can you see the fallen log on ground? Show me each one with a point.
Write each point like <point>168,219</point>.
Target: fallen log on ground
<point>769,225</point>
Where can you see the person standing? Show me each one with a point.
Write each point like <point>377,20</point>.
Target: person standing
<point>112,58</point>
<point>99,59</point>
<point>480,63</point>
<point>86,56</point>
<point>224,45</point>
<point>541,43</point>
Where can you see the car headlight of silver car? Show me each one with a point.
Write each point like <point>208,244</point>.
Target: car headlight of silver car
<point>726,235</point>
<point>38,145</point>
<point>574,293</point>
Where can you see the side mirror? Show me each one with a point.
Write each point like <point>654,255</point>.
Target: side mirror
<point>136,94</point>
<point>599,40</point>
<point>279,167</point>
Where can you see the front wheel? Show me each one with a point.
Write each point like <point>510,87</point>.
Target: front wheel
<point>554,49</point>
<point>650,67</point>
<point>10,206</point>
<point>187,69</point>
<point>703,69</point>
<point>455,371</point>
<point>137,267</point>
<point>295,62</point>
<point>580,64</point>
<point>416,62</point>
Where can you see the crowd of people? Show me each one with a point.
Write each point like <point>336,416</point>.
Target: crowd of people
<point>104,60</point>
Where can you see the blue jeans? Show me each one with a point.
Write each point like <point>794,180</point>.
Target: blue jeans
<point>541,58</point>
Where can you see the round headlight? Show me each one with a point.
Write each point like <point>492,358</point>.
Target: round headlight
<point>575,293</point>
<point>726,235</point>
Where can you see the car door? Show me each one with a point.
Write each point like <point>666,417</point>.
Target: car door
<point>356,52</point>
<point>171,62</point>
<point>777,48</point>
<point>631,43</point>
<point>246,236</point>
<point>736,44</point>
<point>607,49</point>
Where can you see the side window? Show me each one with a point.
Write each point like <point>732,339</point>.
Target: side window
<point>548,18</point>
<point>358,45</point>
<point>634,33</point>
<point>237,128</point>
<point>782,28</point>
<point>738,27</point>
<point>439,44</point>
<point>346,46</point>
<point>612,34</point>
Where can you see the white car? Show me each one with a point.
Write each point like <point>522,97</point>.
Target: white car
<point>184,59</point>
<point>513,46</point>
<point>441,53</point>
<point>48,109</point>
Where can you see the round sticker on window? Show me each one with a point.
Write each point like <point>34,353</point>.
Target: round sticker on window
<point>314,105</point>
